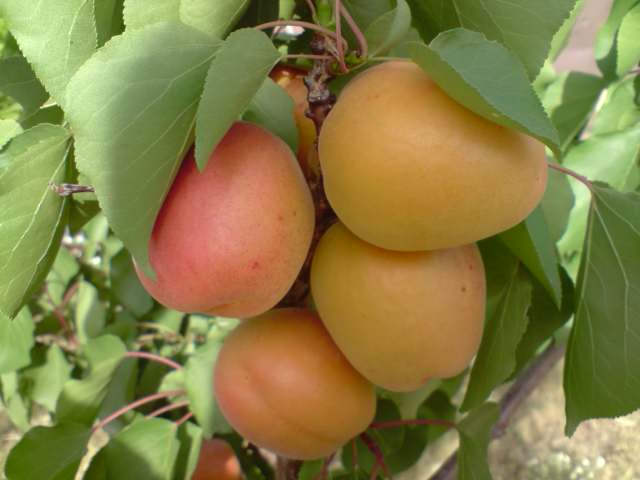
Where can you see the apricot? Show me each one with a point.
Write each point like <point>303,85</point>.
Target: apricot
<point>400,318</point>
<point>408,168</point>
<point>217,461</point>
<point>231,240</point>
<point>292,80</point>
<point>282,384</point>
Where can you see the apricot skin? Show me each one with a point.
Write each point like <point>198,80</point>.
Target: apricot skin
<point>217,461</point>
<point>400,318</point>
<point>231,240</point>
<point>408,168</point>
<point>292,80</point>
<point>282,384</point>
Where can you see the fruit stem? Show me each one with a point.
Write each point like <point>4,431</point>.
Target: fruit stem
<point>143,401</point>
<point>168,408</point>
<point>154,358</point>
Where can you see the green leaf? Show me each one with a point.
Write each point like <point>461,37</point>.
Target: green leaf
<point>606,45</point>
<point>603,354</point>
<point>563,35</point>
<point>48,453</point>
<point>126,287</point>
<point>198,375</point>
<point>557,203</point>
<point>272,108</point>
<point>260,12</point>
<point>526,28</point>
<point>475,435</point>
<point>486,78</point>
<point>16,340</point>
<point>610,158</point>
<point>214,18</point>
<point>190,438</point>
<point>509,287</point>
<point>56,36</point>
<point>14,405</point>
<point>8,130</point>
<point>532,243</point>
<point>18,81</point>
<point>145,449</point>
<point>619,111</point>
<point>570,100</point>
<point>108,14</point>
<point>141,13</point>
<point>80,400</point>
<point>389,29</point>
<point>628,49</point>
<point>235,76</point>
<point>132,108</point>
<point>32,216</point>
<point>46,377</point>
<point>90,313</point>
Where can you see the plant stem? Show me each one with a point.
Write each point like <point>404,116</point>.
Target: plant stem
<point>581,178</point>
<point>185,418</point>
<point>521,389</point>
<point>298,23</point>
<point>339,43</point>
<point>154,358</point>
<point>143,401</point>
<point>362,40</point>
<point>168,408</point>
<point>374,448</point>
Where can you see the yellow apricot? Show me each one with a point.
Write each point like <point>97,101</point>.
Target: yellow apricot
<point>217,461</point>
<point>282,384</point>
<point>408,168</point>
<point>400,318</point>
<point>231,240</point>
<point>292,80</point>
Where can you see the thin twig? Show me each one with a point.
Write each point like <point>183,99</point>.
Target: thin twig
<point>185,418</point>
<point>312,8</point>
<point>581,178</point>
<point>143,401</point>
<point>154,358</point>
<point>298,23</point>
<point>168,408</point>
<point>362,40</point>
<point>511,402</point>
<point>374,448</point>
<point>339,43</point>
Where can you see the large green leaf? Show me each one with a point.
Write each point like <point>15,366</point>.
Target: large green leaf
<point>190,437</point>
<point>48,453</point>
<point>235,76</point>
<point>56,36</point>
<point>145,449</point>
<point>628,48</point>
<point>525,27</point>
<point>389,29</point>
<point>141,13</point>
<point>475,435</point>
<point>46,377</point>
<point>198,376</point>
<point>132,108</point>
<point>18,81</point>
<point>570,100</point>
<point>619,110</point>
<point>532,243</point>
<point>557,203</point>
<point>606,51</point>
<point>32,216</point>
<point>486,78</point>
<point>509,289</point>
<point>80,400</point>
<point>272,108</point>
<point>611,158</point>
<point>601,376</point>
<point>214,18</point>
<point>8,130</point>
<point>16,340</point>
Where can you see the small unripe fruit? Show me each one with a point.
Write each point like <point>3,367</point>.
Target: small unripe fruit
<point>282,384</point>
<point>408,168</point>
<point>400,318</point>
<point>231,240</point>
<point>217,461</point>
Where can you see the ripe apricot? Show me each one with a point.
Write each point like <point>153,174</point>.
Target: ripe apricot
<point>292,80</point>
<point>217,461</point>
<point>400,318</point>
<point>231,240</point>
<point>408,168</point>
<point>282,384</point>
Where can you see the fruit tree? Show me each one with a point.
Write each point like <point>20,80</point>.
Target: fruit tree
<point>304,239</point>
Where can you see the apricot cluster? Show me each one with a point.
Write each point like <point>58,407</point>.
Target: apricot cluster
<point>397,284</point>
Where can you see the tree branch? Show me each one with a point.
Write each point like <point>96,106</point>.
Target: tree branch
<point>521,389</point>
